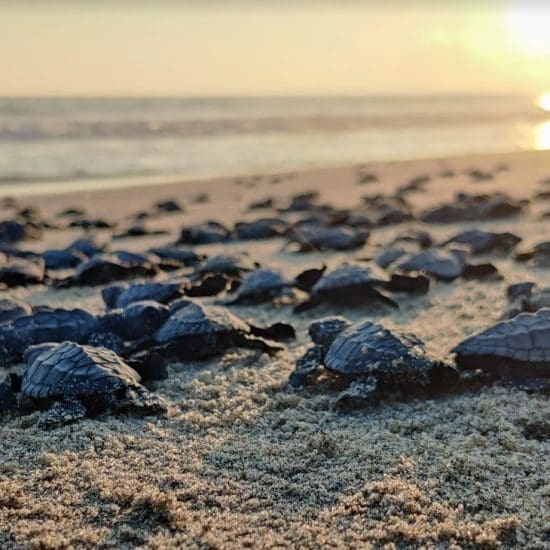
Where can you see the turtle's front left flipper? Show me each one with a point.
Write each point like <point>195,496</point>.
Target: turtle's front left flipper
<point>61,413</point>
<point>280,332</point>
<point>358,394</point>
<point>258,343</point>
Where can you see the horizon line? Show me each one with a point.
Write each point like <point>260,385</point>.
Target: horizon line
<point>272,95</point>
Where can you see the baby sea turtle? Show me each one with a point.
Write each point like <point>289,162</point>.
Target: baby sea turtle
<point>204,233</point>
<point>227,264</point>
<point>75,381</point>
<point>106,268</point>
<point>62,259</point>
<point>485,242</point>
<point>195,331</point>
<point>316,237</point>
<point>135,320</point>
<point>388,210</point>
<point>16,271</point>
<point>262,285</point>
<point>263,228</point>
<point>56,325</point>
<point>373,358</point>
<point>120,295</point>
<point>349,284</point>
<point>468,207</point>
<point>445,265</point>
<point>526,298</point>
<point>185,257</point>
<point>515,351</point>
<point>13,231</point>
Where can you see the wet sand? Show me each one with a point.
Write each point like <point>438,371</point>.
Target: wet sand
<point>242,461</point>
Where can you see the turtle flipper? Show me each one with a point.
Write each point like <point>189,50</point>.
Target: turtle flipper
<point>280,332</point>
<point>360,393</point>
<point>139,399</point>
<point>306,368</point>
<point>8,399</point>
<point>382,297</point>
<point>61,413</point>
<point>256,342</point>
<point>307,305</point>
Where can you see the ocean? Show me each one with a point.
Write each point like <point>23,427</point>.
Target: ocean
<point>78,139</point>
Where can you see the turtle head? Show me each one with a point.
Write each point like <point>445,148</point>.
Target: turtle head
<point>325,331</point>
<point>33,352</point>
<point>520,291</point>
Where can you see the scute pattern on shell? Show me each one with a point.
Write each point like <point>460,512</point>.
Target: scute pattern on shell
<point>368,348</point>
<point>194,320</point>
<point>72,370</point>
<point>526,338</point>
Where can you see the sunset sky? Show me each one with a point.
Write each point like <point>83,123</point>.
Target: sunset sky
<point>272,48</point>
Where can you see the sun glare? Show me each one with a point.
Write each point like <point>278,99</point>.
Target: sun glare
<point>544,101</point>
<point>530,26</point>
<point>542,137</point>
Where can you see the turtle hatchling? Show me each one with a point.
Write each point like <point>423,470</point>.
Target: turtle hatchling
<point>515,351</point>
<point>372,360</point>
<point>43,326</point>
<point>76,381</point>
<point>195,331</point>
<point>445,265</point>
<point>259,286</point>
<point>349,284</point>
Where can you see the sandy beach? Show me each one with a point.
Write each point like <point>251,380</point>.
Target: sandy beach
<point>242,461</point>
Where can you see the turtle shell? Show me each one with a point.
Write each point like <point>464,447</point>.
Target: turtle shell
<point>261,281</point>
<point>51,326</point>
<point>442,264</point>
<point>370,349</point>
<point>196,320</point>
<point>72,370</point>
<point>230,264</point>
<point>483,242</point>
<point>158,291</point>
<point>348,276</point>
<point>523,340</point>
<point>105,268</point>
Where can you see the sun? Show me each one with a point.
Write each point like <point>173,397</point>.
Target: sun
<point>544,101</point>
<point>530,26</point>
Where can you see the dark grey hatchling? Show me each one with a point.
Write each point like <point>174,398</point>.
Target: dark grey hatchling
<point>74,381</point>
<point>516,351</point>
<point>371,360</point>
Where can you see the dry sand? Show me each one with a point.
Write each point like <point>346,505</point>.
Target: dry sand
<point>241,461</point>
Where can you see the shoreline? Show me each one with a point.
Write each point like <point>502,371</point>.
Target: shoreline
<point>29,188</point>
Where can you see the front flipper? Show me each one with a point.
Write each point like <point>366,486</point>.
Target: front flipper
<point>280,332</point>
<point>306,368</point>
<point>139,399</point>
<point>255,342</point>
<point>358,394</point>
<point>379,296</point>
<point>307,305</point>
<point>61,413</point>
<point>8,398</point>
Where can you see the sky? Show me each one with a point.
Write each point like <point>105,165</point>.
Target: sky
<point>220,48</point>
